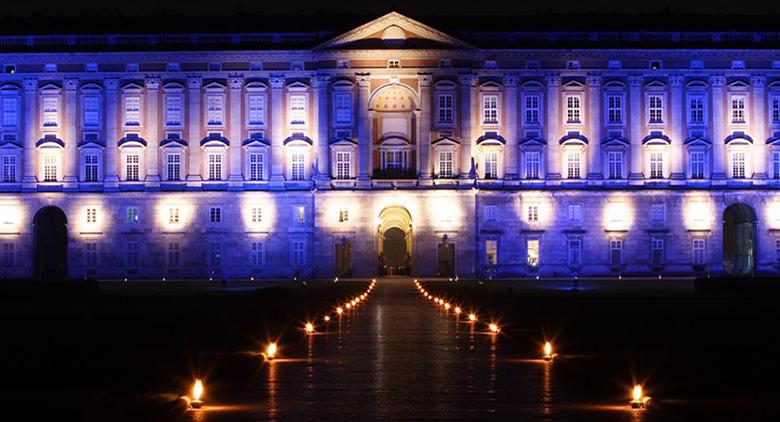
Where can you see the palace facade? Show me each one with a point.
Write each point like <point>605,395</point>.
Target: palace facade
<point>393,148</point>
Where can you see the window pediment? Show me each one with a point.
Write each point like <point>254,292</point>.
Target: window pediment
<point>615,84</point>
<point>491,139</point>
<point>50,141</point>
<point>344,142</point>
<point>615,141</point>
<point>214,86</point>
<point>132,141</point>
<point>256,143</point>
<point>170,142</point>
<point>394,141</point>
<point>297,86</point>
<point>656,83</point>
<point>15,145</point>
<point>738,83</point>
<point>91,144</point>
<point>298,140</point>
<point>573,83</point>
<point>738,139</point>
<point>445,84</point>
<point>532,141</point>
<point>50,88</point>
<point>173,86</point>
<point>256,86</point>
<point>9,88</point>
<point>573,139</point>
<point>132,86</point>
<point>342,84</point>
<point>697,84</point>
<point>775,140</point>
<point>532,83</point>
<point>656,139</point>
<point>91,86</point>
<point>490,85</point>
<point>445,141</point>
<point>697,140</point>
<point>214,140</point>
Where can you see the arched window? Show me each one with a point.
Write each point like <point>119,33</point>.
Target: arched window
<point>50,158</point>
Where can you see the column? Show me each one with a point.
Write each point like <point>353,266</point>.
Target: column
<point>468,86</point>
<point>424,142</point>
<point>320,85</point>
<point>595,169</point>
<point>193,122</point>
<point>30,121</point>
<point>152,130</point>
<point>70,133</point>
<point>236,85</point>
<point>277,130</point>
<point>636,124</point>
<point>677,127</point>
<point>759,128</point>
<point>718,145</point>
<point>112,136</point>
<point>553,123</point>
<point>510,124</point>
<point>365,140</point>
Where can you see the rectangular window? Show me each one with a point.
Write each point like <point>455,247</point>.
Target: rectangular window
<point>614,109</point>
<point>174,257</point>
<point>575,214</point>
<point>298,110</point>
<point>573,164</point>
<point>575,252</point>
<point>256,166</point>
<point>491,252</point>
<point>215,255</point>
<point>531,113</point>
<point>532,249</point>
<point>343,165</point>
<point>775,104</point>
<point>657,251</point>
<point>491,165</point>
<point>132,111</point>
<point>90,255</point>
<point>215,166</point>
<point>445,108</point>
<point>215,215</point>
<point>446,160</point>
<point>50,164</point>
<point>91,111</point>
<point>656,165</point>
<point>738,110</point>
<point>132,167</point>
<point>131,254</point>
<point>616,252</point>
<point>257,215</point>
<point>173,216</point>
<point>9,168</point>
<point>698,251</point>
<point>10,111</point>
<point>91,216</point>
<point>533,165</point>
<point>132,215</point>
<point>490,109</point>
<point>490,213</point>
<point>343,112</point>
<point>395,160</point>
<point>573,109</point>
<point>655,109</point>
<point>91,168</point>
<point>173,166</point>
<point>173,110</point>
<point>738,164</point>
<point>298,169</point>
<point>50,108</point>
<point>658,213</point>
<point>532,213</point>
<point>696,109</point>
<point>215,109</point>
<point>615,164</point>
<point>299,253</point>
<point>300,214</point>
<point>343,215</point>
<point>697,164</point>
<point>9,255</point>
<point>776,164</point>
<point>257,254</point>
<point>256,109</point>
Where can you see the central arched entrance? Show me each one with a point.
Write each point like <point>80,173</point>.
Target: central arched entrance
<point>739,239</point>
<point>395,241</point>
<point>50,244</point>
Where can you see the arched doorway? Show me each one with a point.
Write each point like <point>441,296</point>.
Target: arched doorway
<point>50,244</point>
<point>739,239</point>
<point>395,241</point>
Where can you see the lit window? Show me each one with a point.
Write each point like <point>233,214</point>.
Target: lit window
<point>532,253</point>
<point>491,165</point>
<point>775,104</point>
<point>300,214</point>
<point>173,215</point>
<point>343,165</point>
<point>573,164</point>
<point>531,113</point>
<point>256,166</point>
<point>50,109</point>
<point>132,167</point>
<point>215,166</point>
<point>615,164</point>
<point>9,168</point>
<point>657,251</point>
<point>655,109</point>
<point>696,109</point>
<point>738,164</point>
<point>298,110</point>
<point>343,215</point>
<point>532,165</point>
<point>575,252</point>
<point>50,165</point>
<point>299,253</point>
<point>215,215</point>
<point>491,252</point>
<point>173,166</point>
<point>490,109</point>
<point>91,168</point>
<point>446,164</point>
<point>298,170</point>
<point>698,251</point>
<point>215,110</point>
<point>91,215</point>
<point>490,213</point>
<point>132,111</point>
<point>697,164</point>
<point>738,110</point>
<point>615,109</point>
<point>256,112</point>
<point>776,164</point>
<point>173,110</point>
<point>616,251</point>
<point>91,111</point>
<point>257,215</point>
<point>257,254</point>
<point>532,213</point>
<point>656,165</point>
<point>573,109</point>
<point>395,161</point>
<point>132,215</point>
<point>10,111</point>
<point>343,107</point>
<point>445,108</point>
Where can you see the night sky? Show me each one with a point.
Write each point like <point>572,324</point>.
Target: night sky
<point>374,7</point>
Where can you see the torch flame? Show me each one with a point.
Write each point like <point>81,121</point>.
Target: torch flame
<point>339,310</point>
<point>197,390</point>
<point>637,393</point>
<point>309,327</point>
<point>457,309</point>
<point>472,317</point>
<point>270,351</point>
<point>548,348</point>
<point>493,327</point>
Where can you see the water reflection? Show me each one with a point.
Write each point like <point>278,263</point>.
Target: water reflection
<point>547,368</point>
<point>273,410</point>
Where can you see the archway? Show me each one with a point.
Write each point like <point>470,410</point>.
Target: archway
<point>739,239</point>
<point>395,241</point>
<point>50,244</point>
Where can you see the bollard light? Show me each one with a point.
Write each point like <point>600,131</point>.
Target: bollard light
<point>339,310</point>
<point>309,327</point>
<point>548,351</point>
<point>494,327</point>
<point>457,310</point>
<point>473,317</point>
<point>447,306</point>
<point>638,400</point>
<point>348,305</point>
<point>197,394</point>
<point>326,318</point>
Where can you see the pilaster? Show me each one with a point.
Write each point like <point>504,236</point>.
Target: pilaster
<point>595,169</point>
<point>152,84</point>
<point>676,128</point>
<point>718,138</point>
<point>553,125</point>
<point>320,85</point>
<point>194,85</point>
<point>510,123</point>
<point>365,139</point>
<point>277,131</point>
<point>759,129</point>
<point>70,175</point>
<point>424,141</point>
<point>236,85</point>
<point>468,87</point>
<point>636,122</point>
<point>31,123</point>
<point>111,180</point>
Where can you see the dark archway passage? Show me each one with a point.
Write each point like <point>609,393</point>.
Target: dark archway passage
<point>50,244</point>
<point>396,256</point>
<point>739,239</point>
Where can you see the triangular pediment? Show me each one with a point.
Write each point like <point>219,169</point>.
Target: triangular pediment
<point>393,31</point>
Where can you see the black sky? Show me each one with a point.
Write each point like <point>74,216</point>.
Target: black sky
<point>24,8</point>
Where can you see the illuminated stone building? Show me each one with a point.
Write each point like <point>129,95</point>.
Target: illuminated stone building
<point>392,148</point>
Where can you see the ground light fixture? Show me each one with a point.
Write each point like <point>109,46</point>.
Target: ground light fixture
<point>309,327</point>
<point>339,310</point>
<point>457,310</point>
<point>473,317</point>
<point>197,395</point>
<point>326,318</point>
<point>548,352</point>
<point>447,306</point>
<point>270,351</point>
<point>494,328</point>
<point>638,400</point>
<point>348,306</point>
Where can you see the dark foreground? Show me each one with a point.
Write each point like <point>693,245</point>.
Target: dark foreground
<point>397,357</point>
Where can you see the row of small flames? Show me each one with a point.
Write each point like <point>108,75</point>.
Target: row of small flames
<point>272,348</point>
<point>638,399</point>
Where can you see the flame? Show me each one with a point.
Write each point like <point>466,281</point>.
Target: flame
<point>197,390</point>
<point>309,327</point>
<point>339,310</point>
<point>472,317</point>
<point>493,327</point>
<point>348,305</point>
<point>547,348</point>
<point>270,351</point>
<point>457,309</point>
<point>637,393</point>
<point>446,306</point>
